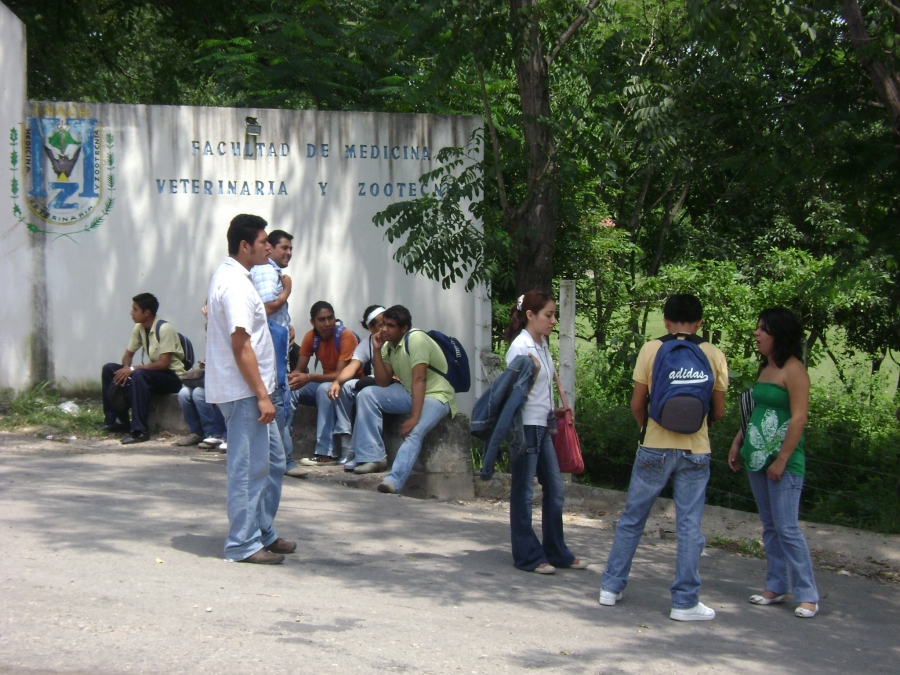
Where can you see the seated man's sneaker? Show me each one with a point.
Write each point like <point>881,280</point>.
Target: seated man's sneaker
<point>387,488</point>
<point>371,467</point>
<point>318,460</point>
<point>136,437</point>
<point>282,546</point>
<point>190,439</point>
<point>350,466</point>
<point>608,598</point>
<point>346,457</point>
<point>211,442</point>
<point>296,472</point>
<point>698,612</point>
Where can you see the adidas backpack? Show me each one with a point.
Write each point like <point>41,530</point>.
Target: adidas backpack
<point>457,374</point>
<point>682,385</point>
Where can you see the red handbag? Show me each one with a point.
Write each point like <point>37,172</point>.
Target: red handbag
<point>566,444</point>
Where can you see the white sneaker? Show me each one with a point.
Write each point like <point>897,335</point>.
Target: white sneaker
<point>609,598</point>
<point>698,612</point>
<point>223,446</point>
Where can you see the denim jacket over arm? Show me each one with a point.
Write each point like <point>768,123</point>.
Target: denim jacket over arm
<point>497,414</point>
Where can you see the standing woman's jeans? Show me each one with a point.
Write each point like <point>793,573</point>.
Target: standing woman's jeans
<point>786,550</point>
<point>538,457</point>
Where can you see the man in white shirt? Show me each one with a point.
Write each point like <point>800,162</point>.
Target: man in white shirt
<point>240,379</point>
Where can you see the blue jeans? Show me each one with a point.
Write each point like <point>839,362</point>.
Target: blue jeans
<point>786,550</point>
<point>332,419</point>
<point>284,429</point>
<point>371,404</point>
<point>538,457</point>
<point>652,470</point>
<point>255,466</point>
<point>203,419</point>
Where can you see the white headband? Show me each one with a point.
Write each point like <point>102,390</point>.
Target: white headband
<point>375,312</point>
<point>519,302</point>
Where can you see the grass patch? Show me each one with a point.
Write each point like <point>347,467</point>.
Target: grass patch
<point>751,548</point>
<point>36,411</point>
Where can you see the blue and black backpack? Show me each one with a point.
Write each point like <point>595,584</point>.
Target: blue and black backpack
<point>186,346</point>
<point>682,385</point>
<point>339,329</point>
<point>457,374</point>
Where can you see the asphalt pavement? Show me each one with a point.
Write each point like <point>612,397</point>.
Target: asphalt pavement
<point>112,563</point>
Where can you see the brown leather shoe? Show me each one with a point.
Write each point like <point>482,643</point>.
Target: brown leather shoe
<point>263,557</point>
<point>282,546</point>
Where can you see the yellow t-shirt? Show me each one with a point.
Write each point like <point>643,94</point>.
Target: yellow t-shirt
<point>168,343</point>
<point>656,436</point>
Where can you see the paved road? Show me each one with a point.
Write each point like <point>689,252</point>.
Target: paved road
<point>112,563</point>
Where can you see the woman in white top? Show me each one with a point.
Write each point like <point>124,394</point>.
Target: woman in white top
<point>531,323</point>
<point>344,388</point>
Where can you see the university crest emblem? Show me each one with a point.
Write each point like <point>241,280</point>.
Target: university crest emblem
<point>66,171</point>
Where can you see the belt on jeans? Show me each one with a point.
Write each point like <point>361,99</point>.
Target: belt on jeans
<point>669,450</point>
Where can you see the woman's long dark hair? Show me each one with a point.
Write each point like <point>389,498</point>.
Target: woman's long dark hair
<point>533,301</point>
<point>787,334</point>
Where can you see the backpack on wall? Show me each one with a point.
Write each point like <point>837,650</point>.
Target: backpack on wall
<point>186,346</point>
<point>682,385</point>
<point>457,374</point>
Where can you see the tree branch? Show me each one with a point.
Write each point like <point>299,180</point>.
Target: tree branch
<point>571,30</point>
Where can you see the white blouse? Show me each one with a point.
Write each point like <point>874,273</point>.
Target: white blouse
<point>539,403</point>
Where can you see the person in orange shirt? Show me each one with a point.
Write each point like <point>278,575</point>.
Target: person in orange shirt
<point>332,345</point>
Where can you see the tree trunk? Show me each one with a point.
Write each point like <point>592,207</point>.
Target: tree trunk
<point>885,81</point>
<point>536,217</point>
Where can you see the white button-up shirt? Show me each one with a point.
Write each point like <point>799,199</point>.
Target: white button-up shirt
<point>234,303</point>
<point>539,403</point>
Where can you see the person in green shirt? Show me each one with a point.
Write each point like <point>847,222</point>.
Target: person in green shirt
<point>410,355</point>
<point>772,449</point>
<point>162,375</point>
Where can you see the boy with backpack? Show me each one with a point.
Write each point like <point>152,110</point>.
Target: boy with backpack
<point>424,392</point>
<point>331,344</point>
<point>679,384</point>
<point>128,387</point>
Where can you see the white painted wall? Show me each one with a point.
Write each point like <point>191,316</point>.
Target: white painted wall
<point>15,251</point>
<point>170,244</point>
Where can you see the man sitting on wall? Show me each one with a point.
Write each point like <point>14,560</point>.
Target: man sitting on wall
<point>161,376</point>
<point>425,394</point>
<point>332,345</point>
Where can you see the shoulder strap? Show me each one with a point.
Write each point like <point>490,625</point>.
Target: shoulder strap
<point>689,337</point>
<point>158,325</point>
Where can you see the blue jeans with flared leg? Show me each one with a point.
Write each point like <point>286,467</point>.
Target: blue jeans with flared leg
<point>787,555</point>
<point>537,458</point>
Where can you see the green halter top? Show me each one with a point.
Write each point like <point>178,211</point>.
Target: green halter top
<point>766,430</point>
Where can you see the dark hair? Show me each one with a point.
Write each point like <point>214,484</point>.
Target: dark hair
<point>400,314</point>
<point>318,307</point>
<point>275,237</point>
<point>532,301</point>
<point>147,302</point>
<point>366,313</point>
<point>244,227</point>
<point>683,308</point>
<point>787,334</point>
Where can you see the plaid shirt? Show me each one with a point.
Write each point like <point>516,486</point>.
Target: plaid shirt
<point>267,279</point>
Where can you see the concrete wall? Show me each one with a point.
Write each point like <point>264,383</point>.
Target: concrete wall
<point>16,278</point>
<point>178,183</point>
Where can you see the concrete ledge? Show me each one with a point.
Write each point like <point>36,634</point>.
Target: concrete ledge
<point>165,413</point>
<point>442,471</point>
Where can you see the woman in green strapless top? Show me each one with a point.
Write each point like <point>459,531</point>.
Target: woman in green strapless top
<point>772,449</point>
